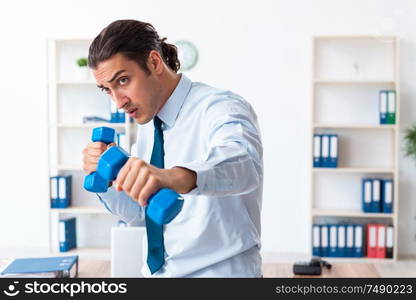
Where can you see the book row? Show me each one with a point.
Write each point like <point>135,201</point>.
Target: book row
<point>325,151</point>
<point>377,195</point>
<point>352,240</point>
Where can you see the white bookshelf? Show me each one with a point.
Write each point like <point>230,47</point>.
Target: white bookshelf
<point>72,95</point>
<point>347,74</point>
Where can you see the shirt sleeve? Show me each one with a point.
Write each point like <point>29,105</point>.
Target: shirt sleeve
<point>233,164</point>
<point>121,205</point>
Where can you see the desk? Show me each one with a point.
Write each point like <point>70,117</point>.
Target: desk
<point>102,269</point>
<point>337,270</point>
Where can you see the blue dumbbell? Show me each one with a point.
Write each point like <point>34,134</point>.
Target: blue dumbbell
<point>94,182</point>
<point>162,206</point>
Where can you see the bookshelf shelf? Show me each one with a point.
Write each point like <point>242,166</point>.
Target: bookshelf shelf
<point>72,95</point>
<point>352,82</point>
<point>81,210</point>
<point>347,74</point>
<point>355,170</point>
<point>354,126</point>
<point>349,213</point>
<point>91,125</point>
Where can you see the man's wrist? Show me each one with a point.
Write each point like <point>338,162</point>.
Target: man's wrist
<point>181,180</point>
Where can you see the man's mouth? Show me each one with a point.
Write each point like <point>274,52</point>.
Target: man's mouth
<point>132,112</point>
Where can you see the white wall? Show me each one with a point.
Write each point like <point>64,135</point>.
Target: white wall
<point>259,49</point>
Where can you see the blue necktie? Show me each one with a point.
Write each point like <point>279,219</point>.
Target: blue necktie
<point>155,247</point>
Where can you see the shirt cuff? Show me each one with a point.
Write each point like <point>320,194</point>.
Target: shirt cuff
<point>204,176</point>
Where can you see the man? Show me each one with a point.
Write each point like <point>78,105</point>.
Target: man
<point>202,142</point>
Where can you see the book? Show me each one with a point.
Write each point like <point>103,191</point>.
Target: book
<point>56,267</point>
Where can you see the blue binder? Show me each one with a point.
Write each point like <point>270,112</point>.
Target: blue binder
<point>349,241</point>
<point>358,241</point>
<point>333,240</point>
<point>383,106</point>
<point>64,191</point>
<point>333,151</point>
<point>54,191</point>
<point>317,150</point>
<point>341,249</point>
<point>388,195</point>
<point>375,205</point>
<point>324,241</point>
<point>325,151</point>
<point>366,194</point>
<point>316,240</point>
<point>62,266</point>
<point>67,234</point>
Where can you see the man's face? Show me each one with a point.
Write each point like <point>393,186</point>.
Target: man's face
<point>138,93</point>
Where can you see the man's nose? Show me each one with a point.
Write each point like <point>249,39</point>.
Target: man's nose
<point>120,99</point>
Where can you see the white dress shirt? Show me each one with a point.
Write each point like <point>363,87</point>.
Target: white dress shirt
<point>217,233</point>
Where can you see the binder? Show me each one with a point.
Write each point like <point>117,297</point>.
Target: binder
<point>333,245</point>
<point>324,240</point>
<point>341,241</point>
<point>375,205</point>
<point>317,150</point>
<point>383,106</point>
<point>62,266</point>
<point>113,112</point>
<point>389,241</point>
<point>325,151</point>
<point>387,203</point>
<point>316,240</point>
<point>333,151</point>
<point>121,115</point>
<point>64,191</point>
<point>358,241</point>
<point>349,249</point>
<point>54,191</point>
<point>366,194</point>
<point>381,241</point>
<point>67,234</point>
<point>391,107</point>
<point>372,240</point>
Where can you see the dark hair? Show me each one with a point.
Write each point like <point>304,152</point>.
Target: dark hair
<point>134,40</point>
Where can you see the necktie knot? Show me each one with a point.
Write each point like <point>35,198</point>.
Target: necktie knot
<point>157,123</point>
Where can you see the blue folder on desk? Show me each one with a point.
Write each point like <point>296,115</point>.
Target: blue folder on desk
<point>62,266</point>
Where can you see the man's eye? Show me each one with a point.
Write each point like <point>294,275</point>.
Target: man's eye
<point>123,80</point>
<point>106,90</point>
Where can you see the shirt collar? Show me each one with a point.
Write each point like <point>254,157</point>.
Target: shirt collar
<point>169,112</point>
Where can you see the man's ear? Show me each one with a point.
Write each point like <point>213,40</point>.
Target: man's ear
<point>155,62</point>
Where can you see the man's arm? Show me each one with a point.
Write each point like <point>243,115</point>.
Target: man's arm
<point>233,164</point>
<point>121,205</point>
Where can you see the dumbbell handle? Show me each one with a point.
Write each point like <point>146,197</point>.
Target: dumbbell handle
<point>94,182</point>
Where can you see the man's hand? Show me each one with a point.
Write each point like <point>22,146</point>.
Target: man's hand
<point>91,155</point>
<point>140,180</point>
